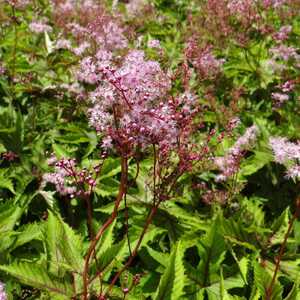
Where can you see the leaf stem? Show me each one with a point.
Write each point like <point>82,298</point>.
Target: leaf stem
<point>134,252</point>
<point>282,249</point>
<point>109,221</point>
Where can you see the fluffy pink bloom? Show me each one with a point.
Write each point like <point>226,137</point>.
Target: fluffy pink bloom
<point>81,48</point>
<point>287,86</point>
<point>288,154</point>
<point>88,71</point>
<point>154,44</point>
<point>245,140</point>
<point>283,33</point>
<point>134,87</point>
<point>274,3</point>
<point>68,178</point>
<point>88,23</point>
<point>18,3</point>
<point>107,34</point>
<point>293,172</point>
<point>3,295</point>
<point>39,27</point>
<point>63,44</point>
<point>240,7</point>
<point>280,98</point>
<point>204,60</point>
<point>135,7</point>
<point>284,150</point>
<point>285,52</point>
<point>130,104</point>
<point>230,163</point>
<point>59,177</point>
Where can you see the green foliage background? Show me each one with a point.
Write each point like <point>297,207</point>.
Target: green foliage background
<point>191,250</point>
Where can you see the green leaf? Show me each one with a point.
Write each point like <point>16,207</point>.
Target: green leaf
<point>27,234</point>
<point>64,247</point>
<point>172,282</point>
<point>294,294</point>
<point>254,163</point>
<point>36,275</point>
<point>59,151</point>
<point>49,198</point>
<point>9,215</point>
<point>11,129</point>
<point>212,252</point>
<point>5,182</point>
<point>160,257</point>
<point>279,227</point>
<point>262,280</point>
<point>109,255</point>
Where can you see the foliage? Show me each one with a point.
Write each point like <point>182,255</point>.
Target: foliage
<point>149,149</point>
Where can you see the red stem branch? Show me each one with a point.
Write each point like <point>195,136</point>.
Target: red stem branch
<point>122,190</point>
<point>134,252</point>
<point>282,249</point>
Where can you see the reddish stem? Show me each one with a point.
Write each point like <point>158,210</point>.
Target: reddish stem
<point>89,209</point>
<point>122,190</point>
<point>281,251</point>
<point>134,252</point>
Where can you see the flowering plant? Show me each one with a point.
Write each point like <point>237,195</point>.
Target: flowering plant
<point>149,149</point>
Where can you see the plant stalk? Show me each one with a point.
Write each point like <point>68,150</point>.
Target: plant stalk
<point>282,249</point>
<point>94,242</point>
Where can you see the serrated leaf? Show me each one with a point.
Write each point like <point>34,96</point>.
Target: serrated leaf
<point>294,294</point>
<point>160,257</point>
<point>109,255</point>
<point>28,233</point>
<point>36,275</point>
<point>212,252</point>
<point>63,246</point>
<point>172,282</point>
<point>9,215</point>
<point>279,227</point>
<point>262,280</point>
<point>6,183</point>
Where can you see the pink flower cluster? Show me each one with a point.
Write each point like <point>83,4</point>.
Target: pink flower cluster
<point>274,3</point>
<point>287,86</point>
<point>154,44</point>
<point>281,97</point>
<point>68,179</point>
<point>20,4</point>
<point>230,163</point>
<point>129,102</point>
<point>63,170</point>
<point>203,60</point>
<point>287,153</point>
<point>211,197</point>
<point>3,295</point>
<point>284,150</point>
<point>66,11</point>
<point>39,27</point>
<point>89,26</point>
<point>240,7</point>
<point>283,33</point>
<point>107,34</point>
<point>135,7</point>
<point>284,52</point>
